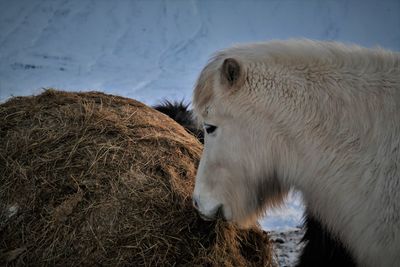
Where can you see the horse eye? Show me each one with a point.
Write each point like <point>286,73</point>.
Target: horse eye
<point>209,128</point>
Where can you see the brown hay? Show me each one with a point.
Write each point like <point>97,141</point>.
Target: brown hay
<point>94,179</point>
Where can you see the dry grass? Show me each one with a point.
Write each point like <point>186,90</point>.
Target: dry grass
<point>94,179</point>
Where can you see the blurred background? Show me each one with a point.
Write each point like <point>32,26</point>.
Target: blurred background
<point>153,50</point>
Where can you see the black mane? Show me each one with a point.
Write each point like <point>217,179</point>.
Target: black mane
<point>180,112</point>
<point>321,247</point>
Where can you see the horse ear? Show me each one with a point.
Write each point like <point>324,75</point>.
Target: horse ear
<point>231,71</point>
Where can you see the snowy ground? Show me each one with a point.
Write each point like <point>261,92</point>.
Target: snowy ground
<point>150,50</point>
<point>284,227</point>
<point>287,245</point>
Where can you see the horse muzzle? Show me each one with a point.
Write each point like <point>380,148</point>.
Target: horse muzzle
<point>216,213</point>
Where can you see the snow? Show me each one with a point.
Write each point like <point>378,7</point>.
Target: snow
<point>154,50</point>
<point>151,50</point>
<point>284,227</point>
<point>287,246</point>
<point>286,217</point>
<point>12,210</point>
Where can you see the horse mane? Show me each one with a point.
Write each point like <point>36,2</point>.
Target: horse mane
<point>295,54</point>
<point>180,112</point>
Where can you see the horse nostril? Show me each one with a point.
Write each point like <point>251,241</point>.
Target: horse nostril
<point>220,212</point>
<point>195,203</point>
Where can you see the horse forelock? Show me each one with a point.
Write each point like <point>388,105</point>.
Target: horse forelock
<point>203,91</point>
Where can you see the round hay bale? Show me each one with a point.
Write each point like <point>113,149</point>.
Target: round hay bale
<point>95,179</point>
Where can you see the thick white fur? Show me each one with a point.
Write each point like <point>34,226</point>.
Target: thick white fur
<point>321,117</point>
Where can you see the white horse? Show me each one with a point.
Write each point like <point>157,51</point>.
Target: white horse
<point>321,117</point>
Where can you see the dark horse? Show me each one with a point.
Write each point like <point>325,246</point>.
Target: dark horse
<point>321,249</point>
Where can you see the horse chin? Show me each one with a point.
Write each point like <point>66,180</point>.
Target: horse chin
<point>246,222</point>
<point>206,218</point>
<point>218,213</point>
